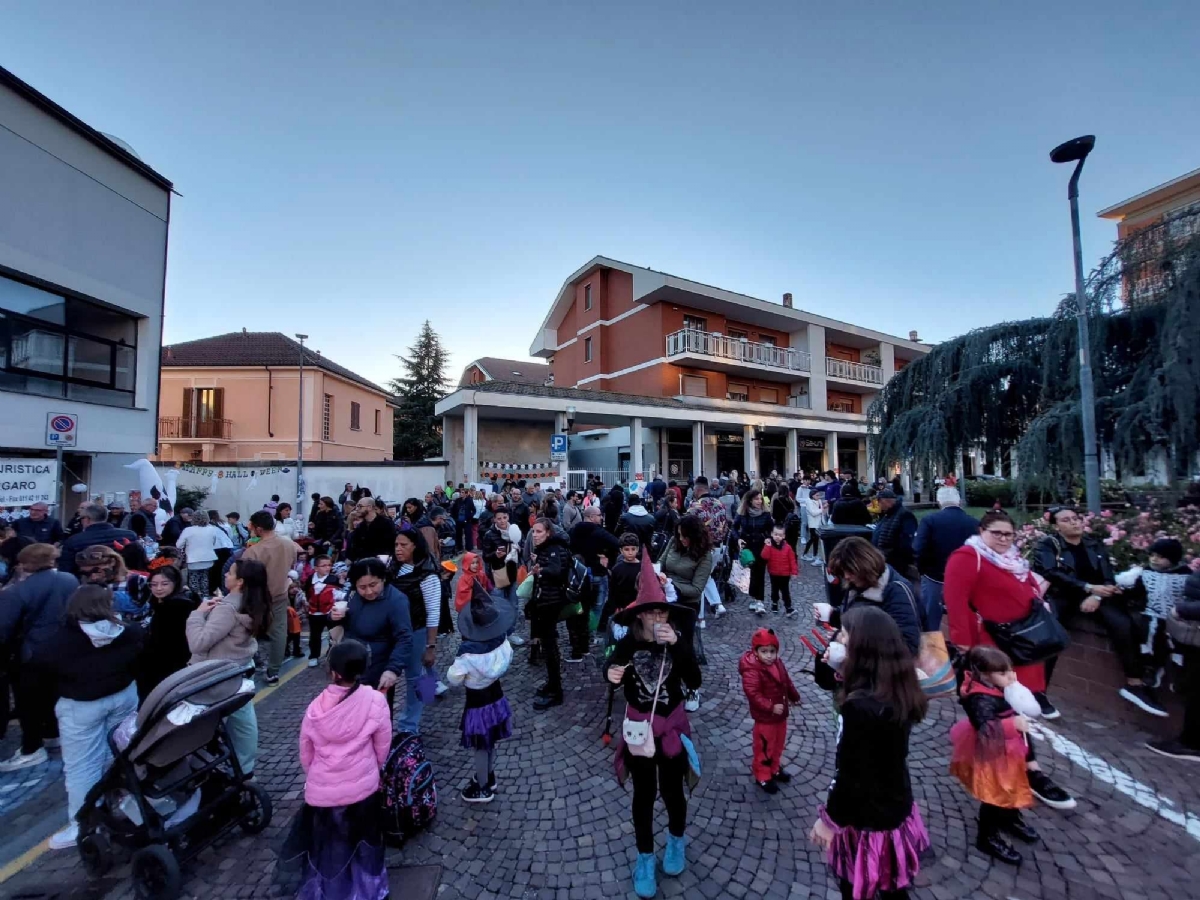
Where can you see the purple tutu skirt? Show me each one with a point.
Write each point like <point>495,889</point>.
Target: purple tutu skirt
<point>487,718</point>
<point>335,853</point>
<point>874,861</point>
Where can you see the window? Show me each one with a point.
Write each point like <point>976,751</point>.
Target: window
<point>327,418</point>
<point>768,339</point>
<point>695,323</point>
<point>587,350</point>
<point>694,385</point>
<point>587,296</point>
<point>378,420</point>
<point>58,346</point>
<point>735,391</point>
<point>737,334</point>
<point>203,414</point>
<point>355,416</point>
<point>768,395</point>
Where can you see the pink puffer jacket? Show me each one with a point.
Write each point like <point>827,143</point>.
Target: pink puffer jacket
<point>343,744</point>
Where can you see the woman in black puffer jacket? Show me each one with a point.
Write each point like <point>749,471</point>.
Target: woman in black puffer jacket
<point>751,530</point>
<point>1187,745</point>
<point>552,563</point>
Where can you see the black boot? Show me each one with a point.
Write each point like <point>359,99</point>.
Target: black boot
<point>547,701</point>
<point>544,691</point>
<point>1019,828</point>
<point>998,848</point>
<point>535,654</point>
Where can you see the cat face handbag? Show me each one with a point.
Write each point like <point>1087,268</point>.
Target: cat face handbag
<point>639,735</point>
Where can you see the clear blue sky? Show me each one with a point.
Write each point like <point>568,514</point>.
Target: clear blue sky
<point>349,170</point>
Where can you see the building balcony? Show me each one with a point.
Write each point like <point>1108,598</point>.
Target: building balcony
<point>860,373</point>
<point>189,428</point>
<point>716,351</point>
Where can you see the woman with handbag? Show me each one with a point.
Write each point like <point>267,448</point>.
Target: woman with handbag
<point>654,666</point>
<point>989,588</point>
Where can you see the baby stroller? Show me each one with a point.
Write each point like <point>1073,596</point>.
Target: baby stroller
<point>175,785</point>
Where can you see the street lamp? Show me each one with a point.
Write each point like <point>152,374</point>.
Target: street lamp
<point>300,435</point>
<point>1077,151</point>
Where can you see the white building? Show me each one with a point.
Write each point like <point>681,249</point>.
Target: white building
<point>83,257</point>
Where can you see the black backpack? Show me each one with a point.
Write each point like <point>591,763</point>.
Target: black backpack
<point>579,582</point>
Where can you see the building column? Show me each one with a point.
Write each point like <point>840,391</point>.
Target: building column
<point>560,427</point>
<point>749,451</point>
<point>662,453</point>
<point>470,463</point>
<point>635,449</point>
<point>831,451</point>
<point>697,449</point>
<point>862,457</point>
<point>887,360</point>
<point>818,397</point>
<point>792,456</point>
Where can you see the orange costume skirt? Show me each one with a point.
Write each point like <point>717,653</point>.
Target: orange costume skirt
<point>993,771</point>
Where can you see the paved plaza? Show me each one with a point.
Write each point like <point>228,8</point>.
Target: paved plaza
<point>560,825</point>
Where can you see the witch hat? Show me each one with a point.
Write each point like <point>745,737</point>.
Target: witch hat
<point>650,594</point>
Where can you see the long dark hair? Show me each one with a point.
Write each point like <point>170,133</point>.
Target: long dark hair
<point>348,660</point>
<point>698,538</point>
<point>781,508</point>
<point>256,602</point>
<point>172,575</point>
<point>418,510</point>
<point>91,603</point>
<point>879,665</point>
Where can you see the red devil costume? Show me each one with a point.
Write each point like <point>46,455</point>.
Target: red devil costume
<point>766,687</point>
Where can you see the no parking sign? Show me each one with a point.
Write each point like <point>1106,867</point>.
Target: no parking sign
<point>61,429</point>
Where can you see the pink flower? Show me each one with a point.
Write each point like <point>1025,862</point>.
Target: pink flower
<point>1106,514</point>
<point>1108,542</point>
<point>1195,564</point>
<point>1144,516</point>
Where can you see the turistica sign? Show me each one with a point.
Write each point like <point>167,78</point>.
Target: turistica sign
<point>24,482</point>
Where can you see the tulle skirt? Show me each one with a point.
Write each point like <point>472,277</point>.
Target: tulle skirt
<point>487,718</point>
<point>992,771</point>
<point>336,853</point>
<point>874,861</point>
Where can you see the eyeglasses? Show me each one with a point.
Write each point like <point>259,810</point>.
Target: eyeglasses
<point>1002,535</point>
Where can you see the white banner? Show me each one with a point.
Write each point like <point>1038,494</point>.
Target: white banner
<point>24,482</point>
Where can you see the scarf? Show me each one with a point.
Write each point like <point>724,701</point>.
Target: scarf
<point>1011,562</point>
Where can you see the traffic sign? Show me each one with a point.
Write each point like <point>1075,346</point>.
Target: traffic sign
<point>61,429</point>
<point>558,448</point>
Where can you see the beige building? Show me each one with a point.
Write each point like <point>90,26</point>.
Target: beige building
<point>237,397</point>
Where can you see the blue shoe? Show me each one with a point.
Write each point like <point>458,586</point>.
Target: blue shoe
<point>674,859</point>
<point>645,884</point>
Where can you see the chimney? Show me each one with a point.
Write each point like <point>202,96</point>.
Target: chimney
<point>912,336</point>
<point>787,300</point>
<point>244,329</point>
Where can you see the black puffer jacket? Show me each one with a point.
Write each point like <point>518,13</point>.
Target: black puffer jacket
<point>1053,561</point>
<point>613,506</point>
<point>896,597</point>
<point>554,560</point>
<point>1188,606</point>
<point>754,530</point>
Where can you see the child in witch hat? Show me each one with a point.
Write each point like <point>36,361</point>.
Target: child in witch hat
<point>483,656</point>
<point>769,689</point>
<point>654,664</point>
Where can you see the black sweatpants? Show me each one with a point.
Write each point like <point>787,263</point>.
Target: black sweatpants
<point>758,580</point>
<point>654,777</point>
<point>1126,630</point>
<point>781,587</point>
<point>1191,692</point>
<point>35,698</point>
<point>317,623</point>
<point>544,628</point>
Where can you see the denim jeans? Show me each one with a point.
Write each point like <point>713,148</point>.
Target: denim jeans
<point>242,726</point>
<point>277,635</point>
<point>931,598</point>
<point>410,719</point>
<point>600,587</point>
<point>83,726</point>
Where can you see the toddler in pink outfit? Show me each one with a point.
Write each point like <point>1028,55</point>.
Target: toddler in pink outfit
<point>344,740</point>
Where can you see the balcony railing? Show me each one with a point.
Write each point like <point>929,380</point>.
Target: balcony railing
<point>799,401</point>
<point>718,346</point>
<point>182,428</point>
<point>852,371</point>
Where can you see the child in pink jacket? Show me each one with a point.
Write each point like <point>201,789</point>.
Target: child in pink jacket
<point>344,740</point>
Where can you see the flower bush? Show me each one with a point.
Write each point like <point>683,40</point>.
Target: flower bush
<point>1128,534</point>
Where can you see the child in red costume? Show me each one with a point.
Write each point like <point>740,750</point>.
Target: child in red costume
<point>769,689</point>
<point>780,558</point>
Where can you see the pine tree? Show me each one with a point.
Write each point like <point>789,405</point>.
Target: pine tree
<point>417,432</point>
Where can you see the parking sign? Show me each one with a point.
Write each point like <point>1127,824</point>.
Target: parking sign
<point>558,448</point>
<point>61,429</point>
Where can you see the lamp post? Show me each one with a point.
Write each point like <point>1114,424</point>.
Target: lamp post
<point>1077,151</point>
<point>300,435</point>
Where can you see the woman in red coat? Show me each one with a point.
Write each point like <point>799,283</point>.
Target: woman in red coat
<point>988,579</point>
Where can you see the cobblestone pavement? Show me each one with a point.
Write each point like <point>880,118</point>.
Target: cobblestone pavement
<point>560,828</point>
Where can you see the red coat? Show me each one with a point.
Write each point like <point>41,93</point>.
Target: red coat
<point>780,560</point>
<point>997,596</point>
<point>319,602</point>
<point>765,686</point>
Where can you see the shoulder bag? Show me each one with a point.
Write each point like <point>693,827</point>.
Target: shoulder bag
<point>1033,639</point>
<point>935,673</point>
<point>639,736</point>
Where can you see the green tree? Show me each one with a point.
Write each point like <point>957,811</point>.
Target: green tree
<point>1015,385</point>
<point>417,432</point>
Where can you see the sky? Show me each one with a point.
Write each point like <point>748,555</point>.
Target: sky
<point>350,170</point>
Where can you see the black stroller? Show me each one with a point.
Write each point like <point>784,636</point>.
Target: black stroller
<point>175,785</point>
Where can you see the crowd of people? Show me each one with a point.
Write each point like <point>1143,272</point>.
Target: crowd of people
<point>633,576</point>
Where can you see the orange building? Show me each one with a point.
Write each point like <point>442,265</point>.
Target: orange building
<point>237,397</point>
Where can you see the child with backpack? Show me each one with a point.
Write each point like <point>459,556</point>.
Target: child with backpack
<point>781,566</point>
<point>991,749</point>
<point>336,840</point>
<point>483,657</point>
<point>769,689</point>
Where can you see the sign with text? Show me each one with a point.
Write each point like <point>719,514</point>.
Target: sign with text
<point>24,482</point>
<point>61,429</point>
<point>558,447</point>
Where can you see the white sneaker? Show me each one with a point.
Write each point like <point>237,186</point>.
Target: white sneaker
<point>313,663</point>
<point>441,688</point>
<point>816,562</point>
<point>516,640</point>
<point>721,610</point>
<point>21,760</point>
<point>65,839</point>
<point>760,609</point>
<point>692,703</point>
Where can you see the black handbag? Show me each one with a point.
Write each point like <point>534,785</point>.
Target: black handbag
<point>1033,639</point>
